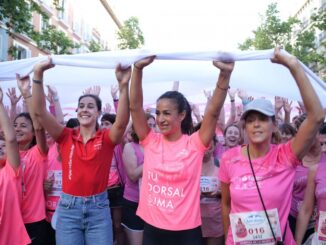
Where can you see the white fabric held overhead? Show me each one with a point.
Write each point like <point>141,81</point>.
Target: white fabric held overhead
<point>253,72</point>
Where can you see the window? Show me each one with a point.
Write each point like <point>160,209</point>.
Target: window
<point>63,13</point>
<point>22,52</point>
<point>44,24</point>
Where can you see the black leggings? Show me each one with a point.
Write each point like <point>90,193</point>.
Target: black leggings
<point>156,236</point>
<point>37,232</point>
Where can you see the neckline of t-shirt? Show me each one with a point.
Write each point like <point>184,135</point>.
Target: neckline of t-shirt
<point>256,160</point>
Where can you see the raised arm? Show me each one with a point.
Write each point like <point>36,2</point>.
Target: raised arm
<point>287,106</point>
<point>13,102</point>
<point>206,132</point>
<point>231,120</point>
<point>307,206</point>
<point>49,122</point>
<point>226,207</point>
<point>24,85</point>
<point>10,136</point>
<point>136,98</point>
<point>315,114</point>
<point>54,100</point>
<point>122,118</point>
<point>114,95</point>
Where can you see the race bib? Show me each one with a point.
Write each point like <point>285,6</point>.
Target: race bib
<point>253,227</point>
<point>208,184</point>
<point>321,233</point>
<point>57,184</point>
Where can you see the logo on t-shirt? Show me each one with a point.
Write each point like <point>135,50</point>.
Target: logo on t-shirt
<point>97,145</point>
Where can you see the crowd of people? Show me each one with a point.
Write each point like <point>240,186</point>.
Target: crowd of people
<point>170,177</point>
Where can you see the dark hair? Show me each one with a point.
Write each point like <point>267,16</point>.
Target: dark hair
<point>182,105</point>
<point>287,129</point>
<point>97,99</point>
<point>108,117</point>
<point>72,123</point>
<point>322,129</point>
<point>28,117</point>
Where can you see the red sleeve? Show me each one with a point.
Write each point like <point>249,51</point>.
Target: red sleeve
<point>64,134</point>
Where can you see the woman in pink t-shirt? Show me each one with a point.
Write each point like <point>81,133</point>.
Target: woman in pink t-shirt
<point>270,167</point>
<point>33,156</point>
<point>314,195</point>
<point>210,199</point>
<point>12,229</point>
<point>170,194</point>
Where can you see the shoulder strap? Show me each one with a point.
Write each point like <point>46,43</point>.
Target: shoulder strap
<point>262,201</point>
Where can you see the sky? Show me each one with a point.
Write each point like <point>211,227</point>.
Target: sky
<point>193,24</point>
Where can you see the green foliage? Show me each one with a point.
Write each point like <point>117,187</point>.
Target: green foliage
<point>17,15</point>
<point>274,32</point>
<point>130,35</point>
<point>95,46</point>
<point>53,41</point>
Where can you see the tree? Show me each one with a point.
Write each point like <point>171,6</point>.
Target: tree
<point>273,32</point>
<point>130,35</point>
<point>16,15</point>
<point>95,46</point>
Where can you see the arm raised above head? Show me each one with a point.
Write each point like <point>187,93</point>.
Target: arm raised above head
<point>215,105</point>
<point>123,113</point>
<point>44,117</point>
<point>315,114</point>
<point>10,136</point>
<point>136,98</point>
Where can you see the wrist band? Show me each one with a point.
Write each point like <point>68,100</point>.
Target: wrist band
<point>224,89</point>
<point>37,81</point>
<point>137,67</point>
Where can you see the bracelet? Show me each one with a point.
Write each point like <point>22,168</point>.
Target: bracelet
<point>137,67</point>
<point>29,96</point>
<point>224,89</point>
<point>232,100</point>
<point>37,81</point>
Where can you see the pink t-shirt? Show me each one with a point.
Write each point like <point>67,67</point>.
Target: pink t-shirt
<point>275,175</point>
<point>299,187</point>
<point>113,173</point>
<point>33,165</point>
<point>54,171</point>
<point>12,228</point>
<point>131,191</point>
<point>320,192</point>
<point>170,194</point>
<point>323,157</point>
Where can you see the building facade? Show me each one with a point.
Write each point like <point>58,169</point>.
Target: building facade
<point>82,21</point>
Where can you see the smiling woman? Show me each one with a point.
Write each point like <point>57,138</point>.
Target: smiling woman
<point>169,196</point>
<point>249,172</point>
<point>86,152</point>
